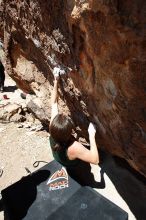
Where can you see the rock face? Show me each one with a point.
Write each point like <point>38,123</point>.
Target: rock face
<point>104,42</point>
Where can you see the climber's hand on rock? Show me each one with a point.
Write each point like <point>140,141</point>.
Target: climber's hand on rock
<point>91,130</point>
<point>56,73</point>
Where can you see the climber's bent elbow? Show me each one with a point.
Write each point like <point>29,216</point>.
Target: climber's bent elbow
<point>95,161</point>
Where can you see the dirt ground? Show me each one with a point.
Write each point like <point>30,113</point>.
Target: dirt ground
<point>20,147</point>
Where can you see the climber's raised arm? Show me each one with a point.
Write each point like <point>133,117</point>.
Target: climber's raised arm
<point>54,99</point>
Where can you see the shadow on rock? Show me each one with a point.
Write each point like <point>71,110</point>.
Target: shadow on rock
<point>129,184</point>
<point>10,88</point>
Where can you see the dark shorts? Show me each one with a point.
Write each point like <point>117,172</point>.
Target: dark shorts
<point>81,173</point>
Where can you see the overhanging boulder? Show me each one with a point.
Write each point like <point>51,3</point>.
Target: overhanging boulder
<point>104,44</point>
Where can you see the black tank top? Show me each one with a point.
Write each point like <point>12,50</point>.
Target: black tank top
<point>61,155</point>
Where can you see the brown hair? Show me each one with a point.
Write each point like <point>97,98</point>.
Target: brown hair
<point>61,131</point>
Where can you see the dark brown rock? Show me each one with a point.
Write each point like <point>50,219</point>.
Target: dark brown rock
<point>104,42</point>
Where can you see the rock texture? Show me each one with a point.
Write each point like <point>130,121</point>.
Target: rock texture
<point>104,42</point>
